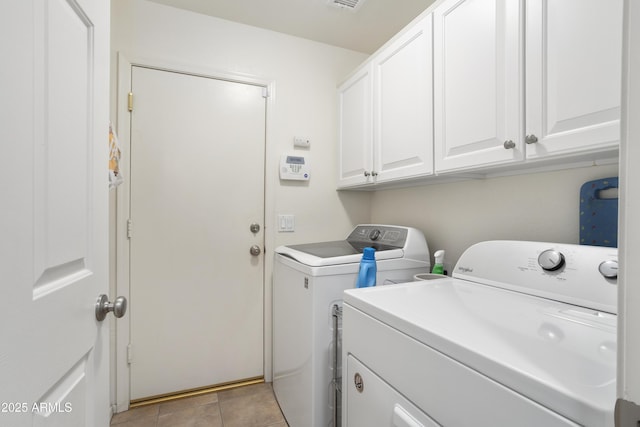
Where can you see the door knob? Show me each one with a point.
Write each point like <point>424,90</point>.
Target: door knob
<point>255,250</point>
<point>103,307</point>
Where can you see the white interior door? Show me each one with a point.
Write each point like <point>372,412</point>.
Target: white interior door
<point>53,245</point>
<point>197,184</point>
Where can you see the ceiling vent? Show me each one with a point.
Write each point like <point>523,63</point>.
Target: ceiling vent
<point>351,5</point>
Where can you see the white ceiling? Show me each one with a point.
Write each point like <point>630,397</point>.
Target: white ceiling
<point>364,30</point>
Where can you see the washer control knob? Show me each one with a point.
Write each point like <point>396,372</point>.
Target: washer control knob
<point>609,269</point>
<point>374,234</point>
<point>551,260</point>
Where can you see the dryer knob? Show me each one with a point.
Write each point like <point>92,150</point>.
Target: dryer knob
<point>551,260</point>
<point>609,269</point>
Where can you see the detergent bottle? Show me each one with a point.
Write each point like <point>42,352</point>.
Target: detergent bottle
<point>438,265</point>
<point>368,269</point>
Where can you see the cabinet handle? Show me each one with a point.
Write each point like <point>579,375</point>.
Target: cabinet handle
<point>366,173</point>
<point>530,139</point>
<point>374,173</point>
<point>509,144</point>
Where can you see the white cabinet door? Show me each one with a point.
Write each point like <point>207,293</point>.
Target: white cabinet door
<point>355,127</point>
<point>478,83</point>
<point>574,51</point>
<point>403,112</point>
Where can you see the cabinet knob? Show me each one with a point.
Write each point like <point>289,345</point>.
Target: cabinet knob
<point>374,173</point>
<point>530,139</point>
<point>509,144</point>
<point>367,173</point>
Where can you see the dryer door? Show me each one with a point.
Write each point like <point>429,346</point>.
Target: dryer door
<point>370,401</point>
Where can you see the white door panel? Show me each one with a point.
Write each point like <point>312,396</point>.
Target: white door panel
<point>197,179</point>
<point>573,75</point>
<point>478,83</point>
<point>54,353</point>
<point>403,136</point>
<point>356,136</point>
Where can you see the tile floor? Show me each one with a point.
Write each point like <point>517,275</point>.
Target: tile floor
<point>248,406</point>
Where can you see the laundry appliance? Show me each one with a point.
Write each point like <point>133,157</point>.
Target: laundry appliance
<point>308,284</point>
<point>524,334</point>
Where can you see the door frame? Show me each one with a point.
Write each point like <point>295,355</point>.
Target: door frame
<point>120,208</point>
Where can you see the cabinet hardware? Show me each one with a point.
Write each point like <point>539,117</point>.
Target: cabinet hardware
<point>530,139</point>
<point>509,144</point>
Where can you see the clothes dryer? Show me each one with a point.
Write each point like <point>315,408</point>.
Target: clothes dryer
<point>308,282</point>
<point>524,334</point>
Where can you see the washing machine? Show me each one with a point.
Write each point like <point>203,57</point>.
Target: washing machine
<point>308,283</point>
<point>524,334</point>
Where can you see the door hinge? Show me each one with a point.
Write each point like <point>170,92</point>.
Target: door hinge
<point>130,101</point>
<point>129,354</point>
<point>265,92</point>
<point>129,228</point>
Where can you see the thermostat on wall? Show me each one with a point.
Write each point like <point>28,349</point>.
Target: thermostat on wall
<point>294,168</point>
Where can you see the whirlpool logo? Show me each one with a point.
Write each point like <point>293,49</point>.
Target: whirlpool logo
<point>465,269</point>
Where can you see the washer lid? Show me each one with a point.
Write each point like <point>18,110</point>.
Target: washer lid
<point>389,241</point>
<point>559,355</point>
<point>335,253</point>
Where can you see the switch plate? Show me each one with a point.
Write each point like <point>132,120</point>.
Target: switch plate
<point>301,141</point>
<point>286,223</point>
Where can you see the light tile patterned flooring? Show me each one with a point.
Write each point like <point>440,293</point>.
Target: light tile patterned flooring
<point>248,406</point>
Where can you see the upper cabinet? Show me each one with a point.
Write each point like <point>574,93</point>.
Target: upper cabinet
<point>573,68</point>
<point>486,86</point>
<point>355,127</point>
<point>386,116</point>
<point>488,114</point>
<point>403,105</point>
<point>478,81</point>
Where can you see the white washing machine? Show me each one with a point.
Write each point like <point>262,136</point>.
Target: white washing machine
<point>523,335</point>
<point>308,281</point>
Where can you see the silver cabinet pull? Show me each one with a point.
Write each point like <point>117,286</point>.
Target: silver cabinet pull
<point>509,144</point>
<point>374,173</point>
<point>530,139</point>
<point>103,307</point>
<point>367,173</point>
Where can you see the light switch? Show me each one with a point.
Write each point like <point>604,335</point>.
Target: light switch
<point>286,223</point>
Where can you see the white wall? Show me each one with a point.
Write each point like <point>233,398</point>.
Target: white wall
<point>453,216</point>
